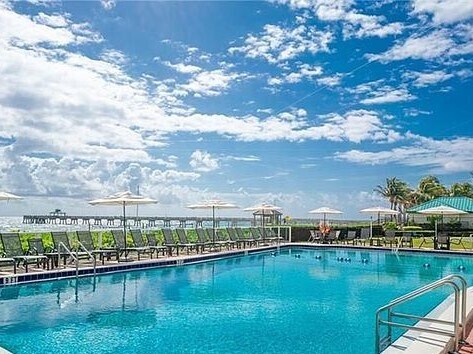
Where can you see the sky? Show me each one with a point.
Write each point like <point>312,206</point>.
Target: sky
<point>299,103</point>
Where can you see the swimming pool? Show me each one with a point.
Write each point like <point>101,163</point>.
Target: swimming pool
<point>252,304</point>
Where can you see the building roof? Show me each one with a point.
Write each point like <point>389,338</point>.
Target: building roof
<point>461,203</point>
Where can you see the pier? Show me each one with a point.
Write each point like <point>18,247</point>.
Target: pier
<point>137,221</point>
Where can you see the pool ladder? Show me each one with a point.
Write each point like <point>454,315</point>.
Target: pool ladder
<point>457,331</point>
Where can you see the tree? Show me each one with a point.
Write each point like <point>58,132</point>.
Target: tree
<point>395,191</point>
<point>461,190</point>
<point>430,187</point>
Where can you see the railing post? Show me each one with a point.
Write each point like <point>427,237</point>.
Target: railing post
<point>377,336</point>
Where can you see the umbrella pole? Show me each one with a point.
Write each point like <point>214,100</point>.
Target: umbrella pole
<point>213,224</point>
<point>371,226</point>
<point>124,228</point>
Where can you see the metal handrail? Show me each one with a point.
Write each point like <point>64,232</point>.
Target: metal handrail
<point>91,255</point>
<point>61,244</point>
<point>458,323</point>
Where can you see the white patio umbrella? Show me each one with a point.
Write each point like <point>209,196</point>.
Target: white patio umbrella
<point>124,199</point>
<point>325,211</point>
<point>377,211</point>
<point>213,204</point>
<point>441,210</point>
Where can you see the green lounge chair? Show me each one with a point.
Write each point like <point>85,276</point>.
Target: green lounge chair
<point>85,238</point>
<point>183,242</point>
<point>169,241</point>
<point>390,237</point>
<point>203,239</point>
<point>123,249</point>
<point>153,244</point>
<point>12,248</point>
<point>232,234</point>
<point>61,240</point>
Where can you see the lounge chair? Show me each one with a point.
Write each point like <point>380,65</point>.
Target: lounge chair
<point>458,241</point>
<point>333,236</point>
<point>36,248</point>
<point>61,240</point>
<point>9,261</point>
<point>12,248</point>
<point>169,242</point>
<point>315,236</point>
<point>203,239</point>
<point>228,241</point>
<point>406,239</point>
<point>85,239</point>
<point>426,240</point>
<point>119,239</point>
<point>139,243</point>
<point>216,241</point>
<point>351,236</point>
<point>257,237</point>
<point>390,237</point>
<point>232,233</point>
<point>241,235</point>
<point>365,237</point>
<point>184,242</point>
<point>153,244</point>
<point>265,235</point>
<point>443,241</point>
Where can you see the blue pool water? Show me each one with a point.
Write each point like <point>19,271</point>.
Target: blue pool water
<point>254,304</point>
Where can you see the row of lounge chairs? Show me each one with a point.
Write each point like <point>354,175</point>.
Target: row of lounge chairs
<point>364,237</point>
<point>84,248</point>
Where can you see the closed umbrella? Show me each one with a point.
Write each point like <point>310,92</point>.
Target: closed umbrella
<point>213,204</point>
<point>325,211</point>
<point>124,199</point>
<point>377,211</point>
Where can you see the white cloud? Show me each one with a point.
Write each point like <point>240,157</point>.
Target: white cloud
<point>445,11</point>
<point>330,81</point>
<point>437,45</point>
<point>277,44</point>
<point>202,161</point>
<point>57,20</point>
<point>211,83</point>
<point>423,79</point>
<point>387,94</point>
<point>448,155</point>
<point>108,4</point>
<point>43,29</point>
<point>183,68</point>
<point>249,158</point>
<point>355,24</point>
<point>303,72</point>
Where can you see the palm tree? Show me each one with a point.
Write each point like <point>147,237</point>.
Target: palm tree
<point>461,190</point>
<point>395,191</point>
<point>430,187</point>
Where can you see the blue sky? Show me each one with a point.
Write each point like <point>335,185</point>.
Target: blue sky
<point>300,103</point>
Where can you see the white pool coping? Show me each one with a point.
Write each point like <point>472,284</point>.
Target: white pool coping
<point>415,342</point>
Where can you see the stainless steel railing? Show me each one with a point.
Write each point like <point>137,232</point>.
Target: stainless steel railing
<point>457,332</point>
<point>75,255</point>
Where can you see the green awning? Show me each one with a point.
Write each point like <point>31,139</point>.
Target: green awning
<point>461,203</point>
